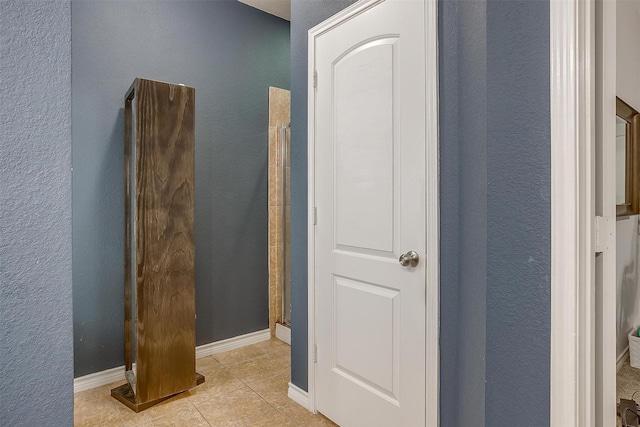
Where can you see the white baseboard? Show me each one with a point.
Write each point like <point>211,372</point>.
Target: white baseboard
<point>232,343</point>
<point>98,379</point>
<point>112,375</point>
<point>298,395</point>
<point>622,359</point>
<point>283,333</point>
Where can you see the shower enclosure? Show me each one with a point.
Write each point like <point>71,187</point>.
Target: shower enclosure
<point>279,209</point>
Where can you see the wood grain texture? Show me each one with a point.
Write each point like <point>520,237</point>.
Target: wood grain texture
<point>165,249</point>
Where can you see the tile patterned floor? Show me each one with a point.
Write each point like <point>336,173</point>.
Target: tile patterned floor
<point>243,387</point>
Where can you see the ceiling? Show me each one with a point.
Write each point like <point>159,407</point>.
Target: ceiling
<point>280,8</point>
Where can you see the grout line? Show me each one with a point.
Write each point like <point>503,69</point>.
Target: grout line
<point>269,403</point>
<point>113,404</point>
<point>274,407</point>
<point>201,414</point>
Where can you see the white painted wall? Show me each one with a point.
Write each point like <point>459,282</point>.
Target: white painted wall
<point>628,52</point>
<point>628,241</point>
<point>627,289</point>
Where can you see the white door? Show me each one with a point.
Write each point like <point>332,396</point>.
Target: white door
<point>370,140</point>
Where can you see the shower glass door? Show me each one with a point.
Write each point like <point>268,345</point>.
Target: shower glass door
<point>285,173</point>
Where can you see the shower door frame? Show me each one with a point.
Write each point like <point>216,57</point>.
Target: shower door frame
<point>285,151</point>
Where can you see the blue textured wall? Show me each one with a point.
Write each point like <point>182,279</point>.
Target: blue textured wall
<point>518,212</point>
<point>36,347</point>
<point>231,53</point>
<point>495,212</point>
<point>463,205</point>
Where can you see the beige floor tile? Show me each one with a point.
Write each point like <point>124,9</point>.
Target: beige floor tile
<point>274,345</point>
<point>320,420</point>
<point>272,418</point>
<point>274,390</point>
<point>224,399</point>
<point>176,403</point>
<point>95,410</point>
<point>182,418</point>
<point>260,368</point>
<point>98,422</point>
<point>303,417</point>
<point>239,355</point>
<point>236,408</point>
<point>220,382</point>
<point>130,418</point>
<point>294,411</point>
<point>98,393</point>
<point>255,410</point>
<point>208,362</point>
<point>208,366</point>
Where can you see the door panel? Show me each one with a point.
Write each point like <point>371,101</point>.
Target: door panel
<point>370,200</point>
<point>359,307</point>
<point>363,125</point>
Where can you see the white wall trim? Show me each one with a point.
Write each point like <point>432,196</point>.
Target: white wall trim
<point>283,333</point>
<point>311,237</point>
<point>602,369</point>
<point>112,375</point>
<point>622,359</point>
<point>583,61</point>
<point>98,379</point>
<point>564,208</point>
<point>298,395</point>
<point>432,198</point>
<point>232,343</point>
<point>432,187</point>
<point>572,81</point>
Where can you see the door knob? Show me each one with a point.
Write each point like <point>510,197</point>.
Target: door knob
<point>410,259</point>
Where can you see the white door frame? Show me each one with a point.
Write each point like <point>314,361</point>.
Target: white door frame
<point>580,394</point>
<point>432,202</point>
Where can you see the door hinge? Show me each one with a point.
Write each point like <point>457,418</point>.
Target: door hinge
<point>315,353</point>
<point>315,215</point>
<point>605,228</point>
<point>315,78</point>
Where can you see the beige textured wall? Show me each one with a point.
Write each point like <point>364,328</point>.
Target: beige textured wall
<point>279,113</point>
